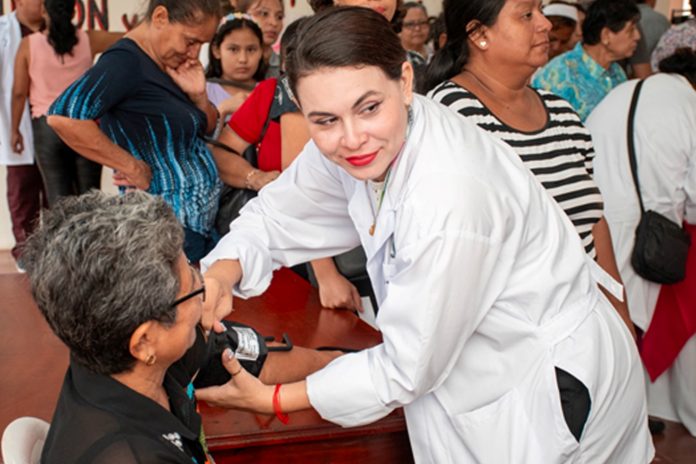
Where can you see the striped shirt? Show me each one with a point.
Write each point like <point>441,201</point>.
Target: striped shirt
<point>559,155</point>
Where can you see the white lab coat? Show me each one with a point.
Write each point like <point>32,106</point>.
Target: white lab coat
<point>665,141</point>
<point>483,288</point>
<point>10,37</point>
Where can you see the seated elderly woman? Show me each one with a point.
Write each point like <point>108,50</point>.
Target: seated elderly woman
<point>110,276</point>
<point>584,75</point>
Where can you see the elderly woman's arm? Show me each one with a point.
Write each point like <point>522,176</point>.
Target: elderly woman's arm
<point>84,137</point>
<point>607,261</point>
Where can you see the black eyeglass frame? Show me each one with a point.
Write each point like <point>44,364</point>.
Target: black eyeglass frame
<point>196,292</point>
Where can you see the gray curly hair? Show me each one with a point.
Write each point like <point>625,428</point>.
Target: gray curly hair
<point>101,265</point>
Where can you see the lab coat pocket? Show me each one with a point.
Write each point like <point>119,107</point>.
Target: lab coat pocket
<point>499,432</point>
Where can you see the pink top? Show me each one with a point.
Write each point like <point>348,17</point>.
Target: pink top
<point>49,74</point>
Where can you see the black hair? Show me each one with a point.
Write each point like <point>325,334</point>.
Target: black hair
<point>345,37</point>
<point>214,63</point>
<point>612,14</point>
<point>683,62</point>
<point>462,18</point>
<point>62,33</point>
<point>288,41</point>
<point>186,11</point>
<point>437,28</point>
<point>243,6</point>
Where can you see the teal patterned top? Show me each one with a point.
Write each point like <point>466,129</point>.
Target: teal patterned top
<point>579,79</point>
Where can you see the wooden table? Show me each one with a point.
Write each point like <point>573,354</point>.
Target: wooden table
<point>33,361</point>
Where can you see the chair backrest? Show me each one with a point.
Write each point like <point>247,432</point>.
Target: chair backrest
<point>23,440</point>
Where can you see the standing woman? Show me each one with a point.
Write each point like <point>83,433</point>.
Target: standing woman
<point>148,93</point>
<point>235,63</point>
<point>46,64</point>
<point>484,290</point>
<point>482,73</point>
<point>269,15</point>
<point>415,30</point>
<point>584,75</point>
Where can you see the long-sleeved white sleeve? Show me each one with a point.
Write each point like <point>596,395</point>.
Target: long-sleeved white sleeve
<point>301,216</point>
<point>449,268</point>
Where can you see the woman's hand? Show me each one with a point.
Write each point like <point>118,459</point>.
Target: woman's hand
<point>262,178</point>
<point>243,391</point>
<point>230,105</point>
<point>17,142</point>
<point>190,78</point>
<point>139,176</point>
<point>335,291</point>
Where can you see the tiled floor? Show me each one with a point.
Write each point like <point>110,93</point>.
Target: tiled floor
<point>674,446</point>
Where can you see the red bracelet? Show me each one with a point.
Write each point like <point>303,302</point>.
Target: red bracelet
<point>284,418</point>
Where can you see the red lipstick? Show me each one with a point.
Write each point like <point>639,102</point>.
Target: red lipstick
<point>362,160</point>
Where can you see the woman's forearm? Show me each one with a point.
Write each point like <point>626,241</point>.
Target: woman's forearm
<point>88,140</point>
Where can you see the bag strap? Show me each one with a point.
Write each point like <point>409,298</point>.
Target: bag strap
<point>249,155</point>
<point>631,146</point>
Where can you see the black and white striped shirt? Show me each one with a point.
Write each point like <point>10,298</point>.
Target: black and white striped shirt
<point>559,155</point>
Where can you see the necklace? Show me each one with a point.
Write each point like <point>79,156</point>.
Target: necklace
<point>380,199</point>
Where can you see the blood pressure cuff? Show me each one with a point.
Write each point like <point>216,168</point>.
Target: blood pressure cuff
<point>248,346</point>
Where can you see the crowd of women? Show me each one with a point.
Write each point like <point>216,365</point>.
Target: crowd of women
<point>489,245</point>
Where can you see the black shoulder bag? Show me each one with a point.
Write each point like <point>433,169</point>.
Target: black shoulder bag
<point>661,246</point>
<point>232,199</point>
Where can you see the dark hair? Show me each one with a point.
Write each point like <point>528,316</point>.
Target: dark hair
<point>100,266</point>
<point>244,5</point>
<point>437,28</point>
<point>186,11</point>
<point>288,41</point>
<point>683,62</point>
<point>459,14</point>
<point>612,14</point>
<point>214,63</point>
<point>62,33</point>
<point>345,37</point>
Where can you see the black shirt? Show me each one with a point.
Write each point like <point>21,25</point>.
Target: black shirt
<point>100,420</point>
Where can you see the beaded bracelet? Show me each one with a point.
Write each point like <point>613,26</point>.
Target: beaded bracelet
<point>284,418</point>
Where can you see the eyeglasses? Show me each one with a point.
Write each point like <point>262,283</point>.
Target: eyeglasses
<point>196,292</point>
<point>416,24</point>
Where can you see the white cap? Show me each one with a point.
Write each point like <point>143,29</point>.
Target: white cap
<point>561,9</point>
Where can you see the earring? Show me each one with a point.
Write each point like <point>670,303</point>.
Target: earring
<point>151,360</point>
<point>483,43</point>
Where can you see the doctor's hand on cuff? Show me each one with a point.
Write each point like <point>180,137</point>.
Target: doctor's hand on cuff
<point>242,391</point>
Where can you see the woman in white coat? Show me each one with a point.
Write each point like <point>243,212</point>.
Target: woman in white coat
<point>484,291</point>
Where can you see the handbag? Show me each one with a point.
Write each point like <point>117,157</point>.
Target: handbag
<point>661,245</point>
<point>233,199</point>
